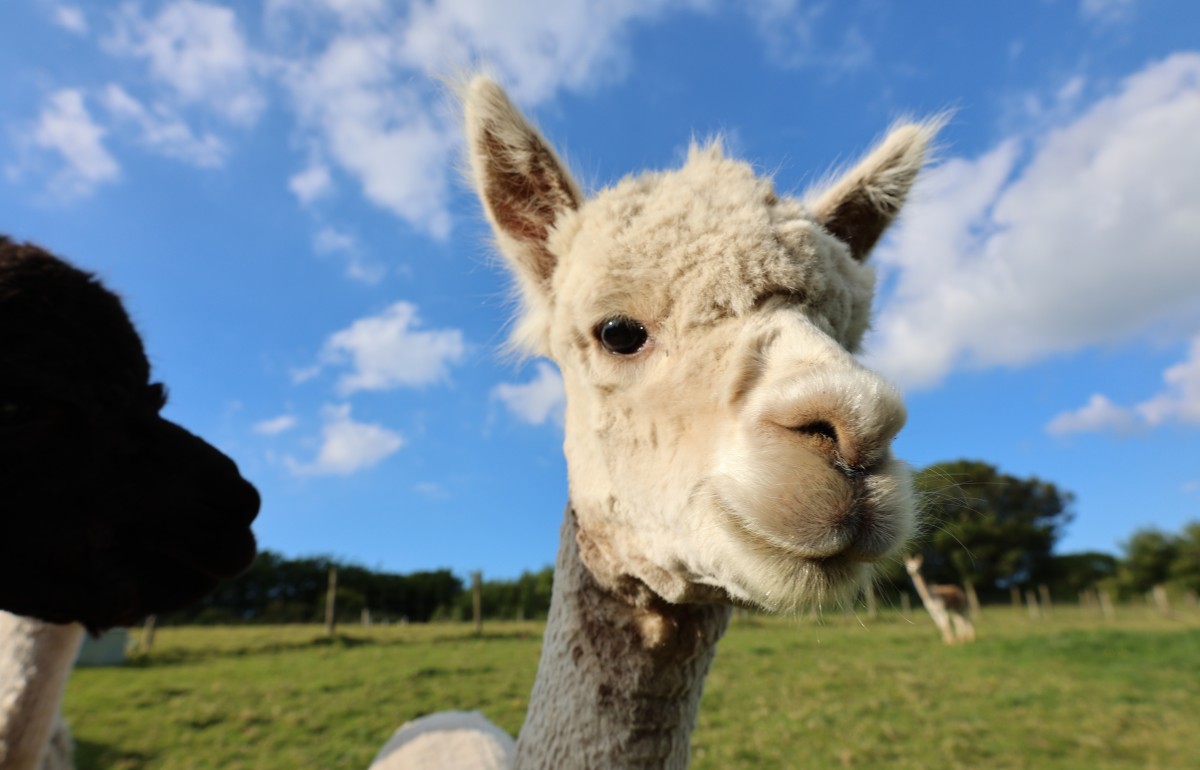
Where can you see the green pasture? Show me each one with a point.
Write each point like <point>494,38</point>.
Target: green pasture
<point>1068,691</point>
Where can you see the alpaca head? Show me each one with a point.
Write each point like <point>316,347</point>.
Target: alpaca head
<point>110,512</point>
<point>913,564</point>
<point>722,441</point>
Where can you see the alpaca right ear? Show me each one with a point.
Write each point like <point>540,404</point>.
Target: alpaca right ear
<point>859,206</point>
<point>521,181</point>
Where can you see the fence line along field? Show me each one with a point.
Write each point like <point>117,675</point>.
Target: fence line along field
<point>1072,690</point>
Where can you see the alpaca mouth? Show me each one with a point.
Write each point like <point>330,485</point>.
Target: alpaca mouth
<point>852,523</point>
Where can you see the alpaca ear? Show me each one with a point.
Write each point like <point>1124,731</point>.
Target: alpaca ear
<point>522,183</point>
<point>859,206</point>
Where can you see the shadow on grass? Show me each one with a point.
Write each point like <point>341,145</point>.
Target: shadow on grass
<point>488,636</point>
<point>98,756</point>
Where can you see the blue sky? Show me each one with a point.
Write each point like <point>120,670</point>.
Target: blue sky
<point>273,187</point>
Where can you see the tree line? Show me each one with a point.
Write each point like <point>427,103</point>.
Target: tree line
<point>997,532</point>
<point>980,526</point>
<point>277,589</point>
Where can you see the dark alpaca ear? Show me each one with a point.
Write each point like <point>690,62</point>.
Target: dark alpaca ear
<point>522,183</point>
<point>858,207</point>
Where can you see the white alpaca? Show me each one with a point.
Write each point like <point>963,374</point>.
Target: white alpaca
<point>946,604</point>
<point>35,664</point>
<point>723,445</point>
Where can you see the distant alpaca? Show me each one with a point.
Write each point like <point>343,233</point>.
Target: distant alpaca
<point>723,444</point>
<point>946,604</point>
<point>110,512</point>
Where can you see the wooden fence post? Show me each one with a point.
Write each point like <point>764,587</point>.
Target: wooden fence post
<point>1161,600</point>
<point>148,632</point>
<point>1046,602</point>
<point>1106,605</point>
<point>871,611</point>
<point>1032,603</point>
<point>477,600</point>
<point>972,599</point>
<point>331,602</point>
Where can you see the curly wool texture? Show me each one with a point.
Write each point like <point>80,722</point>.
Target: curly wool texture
<point>35,662</point>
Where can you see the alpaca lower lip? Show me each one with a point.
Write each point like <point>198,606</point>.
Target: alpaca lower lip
<point>854,536</point>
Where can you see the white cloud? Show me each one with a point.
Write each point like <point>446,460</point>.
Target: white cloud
<point>362,92</point>
<point>794,36</point>
<point>162,131</point>
<point>1107,11</point>
<point>377,127</point>
<point>275,425</point>
<point>197,50</point>
<point>538,47</point>
<point>388,351</point>
<point>71,18</point>
<point>1180,399</point>
<point>312,183</point>
<point>1091,242</point>
<point>1178,402</point>
<point>66,127</point>
<point>328,240</point>
<point>1098,415</point>
<point>538,400</point>
<point>347,446</point>
<point>331,241</point>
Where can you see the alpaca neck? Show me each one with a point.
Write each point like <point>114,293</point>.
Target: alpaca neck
<point>35,661</point>
<point>620,678</point>
<point>922,589</point>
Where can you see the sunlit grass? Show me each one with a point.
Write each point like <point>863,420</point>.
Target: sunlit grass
<point>1067,692</point>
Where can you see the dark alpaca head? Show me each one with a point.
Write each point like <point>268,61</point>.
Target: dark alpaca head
<point>108,512</point>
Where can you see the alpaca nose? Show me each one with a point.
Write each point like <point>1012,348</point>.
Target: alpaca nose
<point>848,417</point>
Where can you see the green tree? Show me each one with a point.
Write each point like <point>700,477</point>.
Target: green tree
<point>990,528</point>
<point>1076,572</point>
<point>1149,555</point>
<point>1185,568</point>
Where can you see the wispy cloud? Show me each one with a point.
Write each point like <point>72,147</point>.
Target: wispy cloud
<point>162,131</point>
<point>1092,241</point>
<point>347,446</point>
<point>388,351</point>
<point>66,128</point>
<point>275,425</point>
<point>329,240</point>
<point>1096,416</point>
<point>535,402</point>
<point>795,36</point>
<point>71,18</point>
<point>355,89</point>
<point>312,183</point>
<point>1107,11</point>
<point>195,49</point>
<point>1177,403</point>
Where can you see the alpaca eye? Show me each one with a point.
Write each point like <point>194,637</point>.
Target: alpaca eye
<point>622,336</point>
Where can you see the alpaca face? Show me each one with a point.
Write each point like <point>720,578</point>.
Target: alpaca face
<point>110,511</point>
<point>721,440</point>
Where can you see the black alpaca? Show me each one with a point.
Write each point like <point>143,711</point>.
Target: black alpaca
<point>108,511</point>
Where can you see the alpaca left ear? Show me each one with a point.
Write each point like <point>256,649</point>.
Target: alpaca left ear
<point>859,206</point>
<point>522,183</point>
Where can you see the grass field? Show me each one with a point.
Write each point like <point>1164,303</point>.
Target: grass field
<point>1071,691</point>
